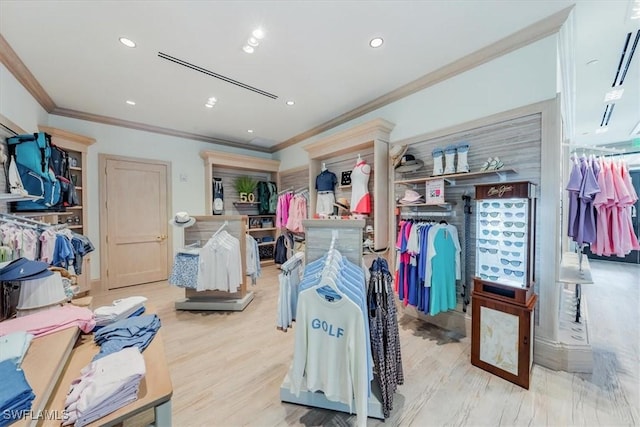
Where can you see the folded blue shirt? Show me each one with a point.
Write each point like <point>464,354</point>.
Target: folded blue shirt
<point>133,331</point>
<point>16,395</point>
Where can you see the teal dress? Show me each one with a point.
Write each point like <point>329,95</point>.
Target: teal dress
<point>443,276</point>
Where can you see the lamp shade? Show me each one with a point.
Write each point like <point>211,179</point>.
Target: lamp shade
<point>39,294</point>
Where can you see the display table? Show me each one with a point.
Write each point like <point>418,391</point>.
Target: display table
<point>43,365</point>
<point>50,379</point>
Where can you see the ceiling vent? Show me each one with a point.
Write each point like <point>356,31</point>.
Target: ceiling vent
<point>623,66</point>
<point>608,110</point>
<point>216,75</point>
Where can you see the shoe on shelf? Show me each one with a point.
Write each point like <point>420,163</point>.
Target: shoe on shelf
<point>368,244</point>
<point>493,164</point>
<point>485,165</point>
<point>499,164</point>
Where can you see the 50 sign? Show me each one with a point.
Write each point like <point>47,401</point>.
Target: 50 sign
<point>247,197</point>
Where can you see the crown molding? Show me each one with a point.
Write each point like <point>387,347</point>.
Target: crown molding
<point>14,64</point>
<point>150,128</point>
<point>239,161</point>
<point>528,35</point>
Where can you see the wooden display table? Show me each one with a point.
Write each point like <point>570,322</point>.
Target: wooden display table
<point>50,379</point>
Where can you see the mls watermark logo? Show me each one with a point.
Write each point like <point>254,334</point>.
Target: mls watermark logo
<point>44,415</point>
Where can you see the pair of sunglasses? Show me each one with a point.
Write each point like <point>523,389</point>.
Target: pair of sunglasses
<point>506,253</point>
<point>511,214</point>
<point>485,276</point>
<point>485,222</point>
<point>489,241</point>
<point>508,271</point>
<point>516,244</point>
<point>518,224</point>
<point>511,204</point>
<point>486,267</point>
<point>491,214</point>
<point>492,204</point>
<point>515,263</point>
<point>513,233</point>
<point>485,250</point>
<point>492,232</point>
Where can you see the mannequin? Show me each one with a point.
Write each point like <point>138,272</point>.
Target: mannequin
<point>325,186</point>
<point>360,197</point>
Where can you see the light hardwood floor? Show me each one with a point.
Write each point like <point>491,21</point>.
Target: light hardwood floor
<point>227,368</point>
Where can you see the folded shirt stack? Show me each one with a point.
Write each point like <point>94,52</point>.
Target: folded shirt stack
<point>131,332</point>
<point>50,321</point>
<point>120,309</point>
<point>14,346</point>
<point>16,395</point>
<point>104,386</point>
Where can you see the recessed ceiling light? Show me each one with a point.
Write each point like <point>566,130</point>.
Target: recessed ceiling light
<point>247,48</point>
<point>250,130</point>
<point>212,100</point>
<point>613,95</point>
<point>208,105</point>
<point>290,102</point>
<point>258,33</point>
<point>131,102</point>
<point>128,43</point>
<point>593,61</point>
<point>602,130</point>
<point>253,42</point>
<point>376,42</point>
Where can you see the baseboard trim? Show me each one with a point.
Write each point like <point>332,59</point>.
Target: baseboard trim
<point>575,358</point>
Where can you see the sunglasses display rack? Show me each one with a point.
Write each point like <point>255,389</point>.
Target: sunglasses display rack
<point>503,298</point>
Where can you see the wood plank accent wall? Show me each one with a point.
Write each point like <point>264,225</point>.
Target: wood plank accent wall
<point>228,176</point>
<point>517,142</point>
<point>294,178</point>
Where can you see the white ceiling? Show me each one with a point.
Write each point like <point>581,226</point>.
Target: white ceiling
<point>314,52</point>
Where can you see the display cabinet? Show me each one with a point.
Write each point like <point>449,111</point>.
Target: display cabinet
<point>504,233</point>
<point>503,297</point>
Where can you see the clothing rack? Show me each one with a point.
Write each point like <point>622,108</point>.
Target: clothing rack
<point>417,214</point>
<point>23,220</point>
<point>321,235</point>
<point>198,234</point>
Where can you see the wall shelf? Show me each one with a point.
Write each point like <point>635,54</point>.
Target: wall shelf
<point>447,205</point>
<point>9,197</point>
<point>267,244</point>
<point>251,230</point>
<point>451,178</point>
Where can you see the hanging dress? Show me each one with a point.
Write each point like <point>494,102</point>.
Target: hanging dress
<point>360,197</point>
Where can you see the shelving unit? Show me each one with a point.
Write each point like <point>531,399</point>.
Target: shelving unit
<point>258,233</point>
<point>370,139</point>
<point>77,147</point>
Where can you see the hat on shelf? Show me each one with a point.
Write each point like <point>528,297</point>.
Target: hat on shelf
<point>408,163</point>
<point>342,203</point>
<point>396,152</point>
<point>182,219</point>
<point>23,269</point>
<point>411,196</point>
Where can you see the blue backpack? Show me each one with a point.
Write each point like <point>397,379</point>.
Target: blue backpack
<point>32,153</point>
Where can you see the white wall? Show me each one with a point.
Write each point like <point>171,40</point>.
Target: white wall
<point>519,78</point>
<point>18,105</point>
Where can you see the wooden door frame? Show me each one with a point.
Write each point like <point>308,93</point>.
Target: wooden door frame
<point>104,249</point>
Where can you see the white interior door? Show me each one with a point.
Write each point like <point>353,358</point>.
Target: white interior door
<point>136,221</point>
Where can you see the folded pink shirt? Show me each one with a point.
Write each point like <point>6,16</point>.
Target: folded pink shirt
<point>50,321</point>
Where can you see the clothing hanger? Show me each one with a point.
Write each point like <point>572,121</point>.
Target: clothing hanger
<point>324,167</point>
